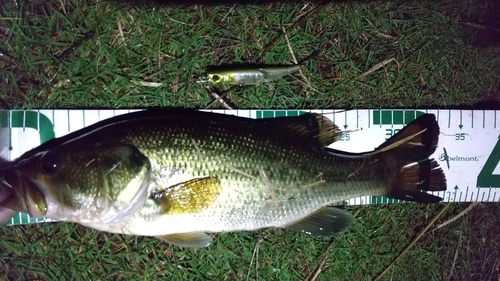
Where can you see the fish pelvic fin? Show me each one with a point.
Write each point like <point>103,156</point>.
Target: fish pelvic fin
<point>188,240</point>
<point>407,152</point>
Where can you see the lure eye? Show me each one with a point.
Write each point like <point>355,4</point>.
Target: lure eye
<point>216,78</point>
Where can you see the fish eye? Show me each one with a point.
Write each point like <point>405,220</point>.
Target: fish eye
<point>48,165</point>
<point>216,78</point>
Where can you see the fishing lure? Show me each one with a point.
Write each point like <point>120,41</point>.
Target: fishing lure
<point>247,75</point>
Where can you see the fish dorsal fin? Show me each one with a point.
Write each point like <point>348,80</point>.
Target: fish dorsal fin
<point>187,240</point>
<point>308,129</point>
<point>188,197</point>
<point>326,221</point>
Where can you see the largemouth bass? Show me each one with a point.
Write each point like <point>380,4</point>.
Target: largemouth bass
<point>179,175</point>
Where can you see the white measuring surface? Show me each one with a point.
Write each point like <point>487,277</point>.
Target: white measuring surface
<point>471,139</point>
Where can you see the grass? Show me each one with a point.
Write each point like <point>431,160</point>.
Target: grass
<point>370,55</point>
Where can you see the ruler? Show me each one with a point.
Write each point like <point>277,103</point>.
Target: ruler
<point>468,148</point>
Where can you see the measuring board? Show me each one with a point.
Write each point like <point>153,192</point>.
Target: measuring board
<point>471,139</point>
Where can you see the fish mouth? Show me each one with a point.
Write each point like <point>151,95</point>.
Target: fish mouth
<point>25,195</point>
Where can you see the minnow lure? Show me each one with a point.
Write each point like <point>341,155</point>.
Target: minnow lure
<point>247,75</point>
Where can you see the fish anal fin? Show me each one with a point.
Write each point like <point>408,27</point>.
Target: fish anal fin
<point>188,240</point>
<point>413,179</point>
<point>310,130</point>
<point>188,197</point>
<point>326,221</point>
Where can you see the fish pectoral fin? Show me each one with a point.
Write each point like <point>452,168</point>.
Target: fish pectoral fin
<point>188,197</point>
<point>188,240</point>
<point>326,221</point>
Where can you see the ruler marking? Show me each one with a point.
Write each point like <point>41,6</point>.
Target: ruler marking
<point>54,120</point>
<point>369,113</point>
<point>392,118</point>
<point>463,196</point>
<point>449,118</point>
<point>466,192</point>
<point>69,125</point>
<point>357,118</point>
<point>38,120</point>
<point>345,118</point>
<point>472,120</point>
<point>461,117</point>
<point>483,119</point>
<point>380,117</point>
<point>24,121</point>
<point>9,120</point>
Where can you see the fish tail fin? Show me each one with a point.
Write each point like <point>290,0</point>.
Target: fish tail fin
<point>407,152</point>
